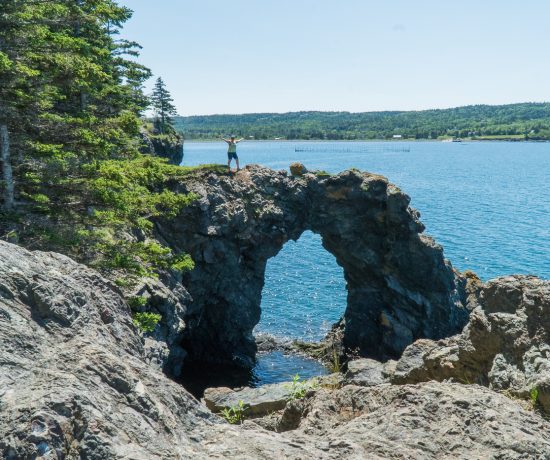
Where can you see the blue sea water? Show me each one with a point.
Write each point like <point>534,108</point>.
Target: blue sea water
<point>487,203</point>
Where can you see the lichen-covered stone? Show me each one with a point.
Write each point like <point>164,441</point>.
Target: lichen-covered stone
<point>298,169</point>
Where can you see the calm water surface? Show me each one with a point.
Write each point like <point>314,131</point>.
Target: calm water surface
<point>488,204</point>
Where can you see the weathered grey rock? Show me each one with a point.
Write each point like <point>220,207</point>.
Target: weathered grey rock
<point>257,401</point>
<point>267,343</point>
<point>369,372</point>
<point>400,287</point>
<point>75,382</point>
<point>425,421</point>
<point>291,416</point>
<point>506,344</point>
<point>168,298</point>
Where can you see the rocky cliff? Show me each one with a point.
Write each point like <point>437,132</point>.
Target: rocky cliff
<point>400,287</point>
<point>76,382</point>
<point>506,344</point>
<point>169,146</point>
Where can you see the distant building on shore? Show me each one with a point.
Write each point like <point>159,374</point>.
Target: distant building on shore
<point>397,136</point>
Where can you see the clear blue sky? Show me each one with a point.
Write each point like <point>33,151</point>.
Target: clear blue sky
<point>239,56</point>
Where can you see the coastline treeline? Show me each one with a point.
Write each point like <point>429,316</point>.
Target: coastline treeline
<point>529,121</point>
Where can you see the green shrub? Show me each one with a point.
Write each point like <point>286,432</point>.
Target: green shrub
<point>534,396</point>
<point>182,263</point>
<point>137,302</point>
<point>234,414</point>
<point>146,322</point>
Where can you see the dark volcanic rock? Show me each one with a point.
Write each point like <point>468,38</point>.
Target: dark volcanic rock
<point>400,287</point>
<point>169,146</point>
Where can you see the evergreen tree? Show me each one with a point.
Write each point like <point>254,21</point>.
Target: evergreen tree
<point>162,103</point>
<point>70,104</point>
<point>68,96</point>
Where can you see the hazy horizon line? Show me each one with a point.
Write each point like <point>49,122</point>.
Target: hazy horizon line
<point>362,111</point>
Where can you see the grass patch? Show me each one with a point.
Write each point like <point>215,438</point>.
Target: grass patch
<point>220,169</point>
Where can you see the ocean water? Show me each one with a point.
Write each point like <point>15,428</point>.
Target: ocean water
<point>487,203</point>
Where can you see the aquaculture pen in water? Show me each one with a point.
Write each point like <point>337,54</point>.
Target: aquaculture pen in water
<point>354,149</point>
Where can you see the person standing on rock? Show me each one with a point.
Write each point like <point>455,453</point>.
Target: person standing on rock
<point>232,151</point>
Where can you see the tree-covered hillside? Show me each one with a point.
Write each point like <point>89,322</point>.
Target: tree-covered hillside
<point>520,121</point>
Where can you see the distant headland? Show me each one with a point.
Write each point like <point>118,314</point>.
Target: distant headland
<point>512,122</point>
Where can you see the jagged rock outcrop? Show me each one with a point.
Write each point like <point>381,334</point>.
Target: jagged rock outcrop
<point>74,381</point>
<point>400,287</point>
<point>425,421</point>
<point>506,344</point>
<point>169,146</point>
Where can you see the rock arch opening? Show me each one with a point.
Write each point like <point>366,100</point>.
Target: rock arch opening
<point>304,293</point>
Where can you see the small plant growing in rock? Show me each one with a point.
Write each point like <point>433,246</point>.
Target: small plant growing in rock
<point>298,389</point>
<point>137,302</point>
<point>335,363</point>
<point>146,322</point>
<point>234,414</point>
<point>534,396</point>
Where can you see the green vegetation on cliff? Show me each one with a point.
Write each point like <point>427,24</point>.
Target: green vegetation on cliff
<point>527,120</point>
<point>71,101</point>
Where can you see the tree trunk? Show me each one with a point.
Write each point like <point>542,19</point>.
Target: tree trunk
<point>7,174</point>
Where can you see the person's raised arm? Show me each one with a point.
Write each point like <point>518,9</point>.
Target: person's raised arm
<point>241,139</point>
<point>226,140</point>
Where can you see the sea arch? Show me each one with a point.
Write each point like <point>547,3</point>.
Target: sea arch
<point>400,286</point>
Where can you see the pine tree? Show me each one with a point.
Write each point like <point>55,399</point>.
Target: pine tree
<point>67,93</point>
<point>162,103</point>
<point>71,97</point>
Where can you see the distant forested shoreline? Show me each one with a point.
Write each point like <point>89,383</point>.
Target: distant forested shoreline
<point>524,121</point>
